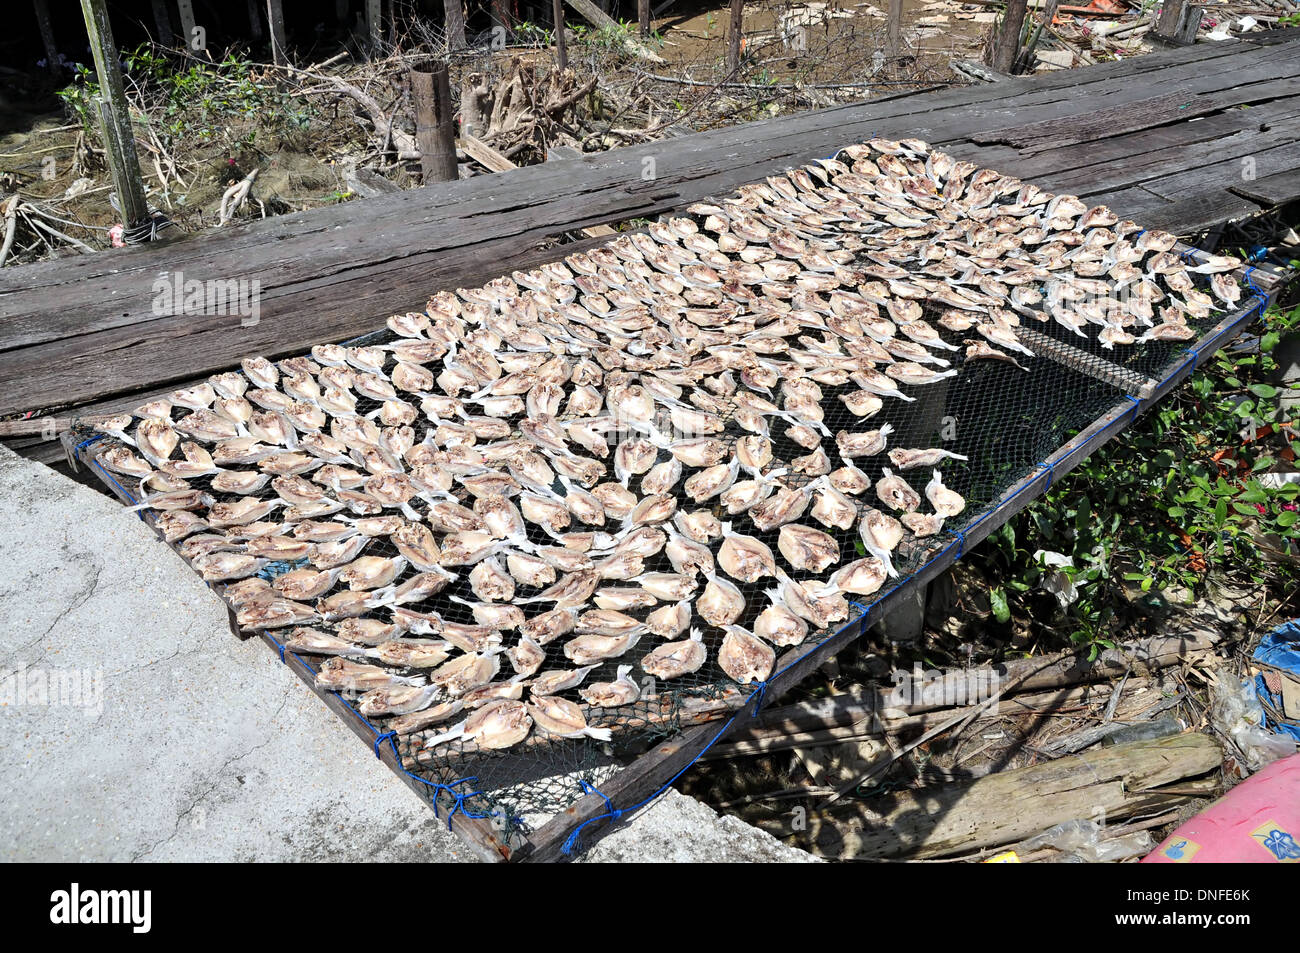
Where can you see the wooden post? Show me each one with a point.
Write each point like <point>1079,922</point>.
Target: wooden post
<point>1006,46</point>
<point>643,16</point>
<point>895,34</point>
<point>119,143</point>
<point>186,9</point>
<point>561,45</point>
<point>1178,22</point>
<point>1171,11</point>
<point>47,36</point>
<point>162,21</point>
<point>375,23</point>
<point>435,130</point>
<point>733,36</point>
<point>254,20</point>
<point>454,23</point>
<point>275,16</point>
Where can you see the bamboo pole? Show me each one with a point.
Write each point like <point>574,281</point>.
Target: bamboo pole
<point>119,143</point>
<point>434,129</point>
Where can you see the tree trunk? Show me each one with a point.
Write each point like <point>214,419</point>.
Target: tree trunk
<point>1007,45</point>
<point>734,36</point>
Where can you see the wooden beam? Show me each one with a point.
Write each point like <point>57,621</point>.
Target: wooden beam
<point>80,332</point>
<point>115,116</point>
<point>643,17</point>
<point>163,24</point>
<point>489,158</point>
<point>255,21</point>
<point>375,24</point>
<point>435,128</point>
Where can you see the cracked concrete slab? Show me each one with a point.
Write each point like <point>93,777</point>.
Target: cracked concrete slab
<point>144,731</point>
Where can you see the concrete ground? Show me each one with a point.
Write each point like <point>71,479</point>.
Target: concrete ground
<point>137,728</point>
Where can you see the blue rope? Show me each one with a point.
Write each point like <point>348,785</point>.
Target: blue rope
<point>759,694</point>
<point>588,788</point>
<point>108,476</point>
<point>380,739</point>
<point>1051,473</point>
<point>1137,405</point>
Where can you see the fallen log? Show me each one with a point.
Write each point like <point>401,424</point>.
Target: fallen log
<point>863,706</point>
<point>1107,784</point>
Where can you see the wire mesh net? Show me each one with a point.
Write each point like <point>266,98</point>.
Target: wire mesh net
<point>996,415</point>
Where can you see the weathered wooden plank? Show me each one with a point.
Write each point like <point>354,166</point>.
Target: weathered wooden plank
<point>390,252</point>
<point>1271,190</point>
<point>335,239</point>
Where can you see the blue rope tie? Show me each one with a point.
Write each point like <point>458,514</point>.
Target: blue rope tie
<point>1192,355</point>
<point>961,544</point>
<point>589,788</point>
<point>386,736</point>
<point>758,696</point>
<point>1137,405</point>
<point>276,642</point>
<point>1051,473</point>
<point>1250,282</point>
<point>862,610</point>
<point>86,443</point>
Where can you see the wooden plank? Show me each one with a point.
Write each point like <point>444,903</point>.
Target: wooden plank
<point>1119,780</point>
<point>752,150</point>
<point>480,151</point>
<point>1272,190</point>
<point>304,260</point>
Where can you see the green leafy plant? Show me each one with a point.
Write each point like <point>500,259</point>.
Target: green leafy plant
<point>1174,501</point>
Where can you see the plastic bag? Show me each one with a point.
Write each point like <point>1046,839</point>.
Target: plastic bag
<point>1080,842</point>
<point>1235,710</point>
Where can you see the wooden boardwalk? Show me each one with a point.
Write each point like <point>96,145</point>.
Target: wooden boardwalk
<point>1160,138</point>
